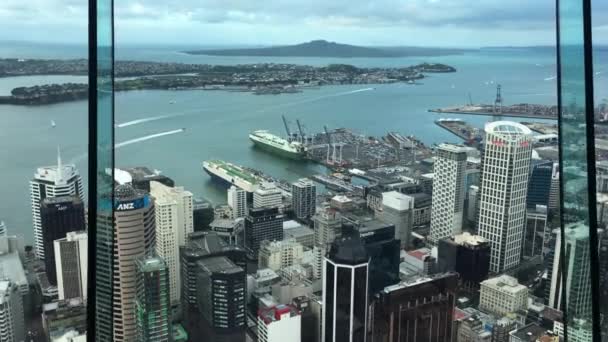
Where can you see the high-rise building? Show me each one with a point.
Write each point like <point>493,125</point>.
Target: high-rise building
<point>279,324</point>
<point>502,328</point>
<point>397,209</point>
<point>265,223</point>
<point>448,191</point>
<point>237,201</point>
<point>12,325</point>
<point>554,191</point>
<point>58,216</point>
<point>539,184</point>
<point>304,198</point>
<point>174,221</point>
<point>2,228</point>
<point>503,295</point>
<point>121,239</point>
<point>202,214</point>
<point>277,255</point>
<point>574,259</point>
<point>419,309</point>
<point>345,291</point>
<point>502,203</point>
<point>327,227</point>
<point>71,264</point>
<point>466,254</point>
<point>267,195</point>
<point>200,246</point>
<point>383,250</point>
<point>535,232</point>
<point>472,205</point>
<point>153,305</point>
<point>52,181</point>
<point>140,177</point>
<point>471,329</point>
<point>64,318</point>
<point>221,299</point>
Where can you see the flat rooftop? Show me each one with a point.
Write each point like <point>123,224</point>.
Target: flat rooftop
<point>221,265</point>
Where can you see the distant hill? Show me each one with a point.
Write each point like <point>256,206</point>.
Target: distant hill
<point>323,48</point>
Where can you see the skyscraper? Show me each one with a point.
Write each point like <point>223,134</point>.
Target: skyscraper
<point>417,310</point>
<point>267,195</point>
<point>466,254</point>
<point>12,325</point>
<point>378,238</point>
<point>2,228</point>
<point>58,216</point>
<point>327,228</point>
<point>345,298</point>
<point>221,297</point>
<point>71,264</point>
<point>398,209</point>
<point>536,230</point>
<point>153,305</point>
<point>237,201</point>
<point>52,181</point>
<point>262,224</point>
<point>502,203</point>
<point>539,185</point>
<point>574,260</point>
<point>279,324</point>
<point>122,239</point>
<point>174,221</point>
<point>304,196</point>
<point>448,192</point>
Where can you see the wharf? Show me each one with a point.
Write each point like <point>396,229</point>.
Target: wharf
<point>540,127</point>
<point>333,183</point>
<point>523,110</point>
<point>471,135</point>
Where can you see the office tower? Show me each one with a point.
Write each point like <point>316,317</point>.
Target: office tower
<point>471,329</point>
<point>422,209</point>
<point>279,324</point>
<point>2,228</point>
<point>228,229</point>
<point>535,231</point>
<point>140,177</point>
<point>267,195</point>
<point>302,234</point>
<point>416,310</point>
<point>153,304</point>
<point>502,328</point>
<point>309,307</point>
<point>397,209</point>
<point>554,193</point>
<point>174,221</point>
<point>122,239</point>
<point>262,224</point>
<point>237,201</point>
<point>304,198</point>
<point>539,185</point>
<point>58,216</point>
<point>200,246</point>
<point>221,299</point>
<point>328,227</point>
<point>574,259</point>
<point>277,255</point>
<point>472,205</point>
<point>448,191</point>
<point>466,254</point>
<point>378,238</point>
<point>202,214</point>
<point>64,318</point>
<point>71,265</point>
<point>502,295</point>
<point>502,203</point>
<point>52,181</point>
<point>12,325</point>
<point>345,298</point>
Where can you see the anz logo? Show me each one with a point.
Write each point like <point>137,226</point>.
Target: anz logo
<point>126,206</point>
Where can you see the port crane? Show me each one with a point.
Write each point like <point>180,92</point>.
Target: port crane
<point>286,128</point>
<point>328,143</point>
<point>302,136</point>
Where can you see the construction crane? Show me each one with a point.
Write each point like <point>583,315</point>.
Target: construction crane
<point>470,100</point>
<point>301,131</point>
<point>286,128</point>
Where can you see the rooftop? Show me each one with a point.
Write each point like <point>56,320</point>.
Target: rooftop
<point>507,128</point>
<point>469,239</point>
<point>505,283</point>
<point>453,148</point>
<point>150,264</point>
<point>273,314</point>
<point>11,268</point>
<point>221,265</point>
<point>416,281</point>
<point>529,333</point>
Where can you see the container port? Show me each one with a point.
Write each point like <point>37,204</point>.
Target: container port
<point>472,136</point>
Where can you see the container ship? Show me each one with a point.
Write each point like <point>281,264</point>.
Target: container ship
<point>277,145</point>
<point>230,174</point>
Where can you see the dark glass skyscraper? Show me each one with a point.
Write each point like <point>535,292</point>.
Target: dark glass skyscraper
<point>345,291</point>
<point>153,307</point>
<point>384,253</point>
<point>539,185</point>
<point>58,216</point>
<point>262,224</point>
<point>468,255</point>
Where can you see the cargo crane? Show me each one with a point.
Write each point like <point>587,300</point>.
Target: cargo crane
<point>328,143</point>
<point>286,128</point>
<point>302,137</point>
<point>498,104</point>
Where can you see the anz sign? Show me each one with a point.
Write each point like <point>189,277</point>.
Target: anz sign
<point>132,205</point>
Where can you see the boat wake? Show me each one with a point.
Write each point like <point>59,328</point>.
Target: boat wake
<point>148,137</point>
<point>144,120</point>
<point>313,99</point>
<point>550,78</point>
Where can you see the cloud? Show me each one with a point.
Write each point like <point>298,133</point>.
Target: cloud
<point>512,22</point>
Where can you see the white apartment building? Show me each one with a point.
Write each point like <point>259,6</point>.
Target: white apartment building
<point>398,209</point>
<point>504,186</point>
<point>502,295</point>
<point>174,221</point>
<point>279,324</point>
<point>12,324</point>
<point>237,201</point>
<point>277,255</point>
<point>71,262</point>
<point>303,200</point>
<point>267,196</point>
<point>450,168</point>
<point>52,181</point>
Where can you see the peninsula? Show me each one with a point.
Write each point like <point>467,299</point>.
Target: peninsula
<point>259,79</point>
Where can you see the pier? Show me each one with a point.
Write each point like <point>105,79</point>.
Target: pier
<point>334,183</point>
<point>471,135</point>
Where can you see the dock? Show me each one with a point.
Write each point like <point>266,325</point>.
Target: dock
<point>471,135</point>
<point>540,127</point>
<point>333,183</point>
<point>522,110</point>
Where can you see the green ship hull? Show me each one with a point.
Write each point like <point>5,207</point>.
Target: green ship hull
<point>278,151</point>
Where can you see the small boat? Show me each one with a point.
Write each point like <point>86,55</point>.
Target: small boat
<point>53,124</point>
<point>172,102</point>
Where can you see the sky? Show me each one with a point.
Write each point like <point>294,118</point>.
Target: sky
<point>446,23</point>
